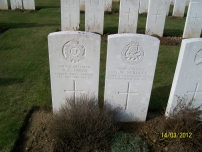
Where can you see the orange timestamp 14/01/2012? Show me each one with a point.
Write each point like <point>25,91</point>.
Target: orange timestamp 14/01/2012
<point>176,135</point>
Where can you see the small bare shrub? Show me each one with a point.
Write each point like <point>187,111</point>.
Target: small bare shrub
<point>128,142</point>
<point>83,126</point>
<point>184,125</point>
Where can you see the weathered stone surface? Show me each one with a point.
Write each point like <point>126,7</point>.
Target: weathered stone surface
<point>82,5</point>
<point>128,16</point>
<point>70,15</point>
<point>187,80</point>
<point>16,4</point>
<point>108,5</point>
<point>94,16</point>
<point>3,5</point>
<point>193,22</point>
<point>143,6</point>
<point>29,4</point>
<point>179,8</point>
<point>74,59</point>
<point>156,17</point>
<point>131,62</point>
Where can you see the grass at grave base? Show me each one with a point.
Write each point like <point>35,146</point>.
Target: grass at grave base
<point>24,63</point>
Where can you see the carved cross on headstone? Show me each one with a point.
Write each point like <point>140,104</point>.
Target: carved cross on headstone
<point>196,18</point>
<point>157,16</point>
<point>94,20</point>
<point>74,90</point>
<point>127,93</point>
<point>129,12</point>
<point>195,91</point>
<point>70,19</point>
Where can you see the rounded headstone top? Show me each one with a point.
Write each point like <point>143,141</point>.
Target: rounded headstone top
<point>73,32</point>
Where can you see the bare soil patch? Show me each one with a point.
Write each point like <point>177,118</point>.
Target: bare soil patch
<point>169,40</point>
<point>35,134</point>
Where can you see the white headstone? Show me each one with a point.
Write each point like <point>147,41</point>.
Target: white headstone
<point>94,16</point>
<point>29,4</point>
<point>156,17</point>
<point>82,5</point>
<point>168,7</point>
<point>3,5</point>
<point>70,15</point>
<point>108,5</point>
<point>16,4</point>
<point>128,16</point>
<point>179,8</point>
<point>187,80</point>
<point>74,59</point>
<point>193,24</point>
<point>131,62</point>
<point>143,6</point>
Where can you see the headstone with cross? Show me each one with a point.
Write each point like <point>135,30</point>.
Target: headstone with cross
<point>130,71</point>
<point>188,75</point>
<point>128,16</point>
<point>70,15</point>
<point>193,24</point>
<point>143,6</point>
<point>94,16</point>
<point>29,4</point>
<point>74,59</point>
<point>179,8</point>
<point>156,17</point>
<point>16,4</point>
<point>3,5</point>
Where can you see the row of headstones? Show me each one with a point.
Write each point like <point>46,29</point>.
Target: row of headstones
<point>74,59</point>
<point>128,18</point>
<point>18,4</point>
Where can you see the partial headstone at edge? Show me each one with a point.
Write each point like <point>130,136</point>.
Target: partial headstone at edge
<point>3,5</point>
<point>193,24</point>
<point>187,82</point>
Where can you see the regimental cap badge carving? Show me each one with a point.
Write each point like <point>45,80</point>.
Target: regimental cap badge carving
<point>73,51</point>
<point>70,2</point>
<point>94,3</point>
<point>198,58</point>
<point>132,53</point>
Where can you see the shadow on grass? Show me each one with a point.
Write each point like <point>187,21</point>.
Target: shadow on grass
<point>111,30</point>
<point>3,29</point>
<point>23,25</point>
<point>172,32</point>
<point>18,145</point>
<point>159,98</point>
<point>45,7</point>
<point>10,81</point>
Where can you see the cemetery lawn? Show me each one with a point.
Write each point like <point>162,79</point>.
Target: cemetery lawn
<point>24,64</point>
